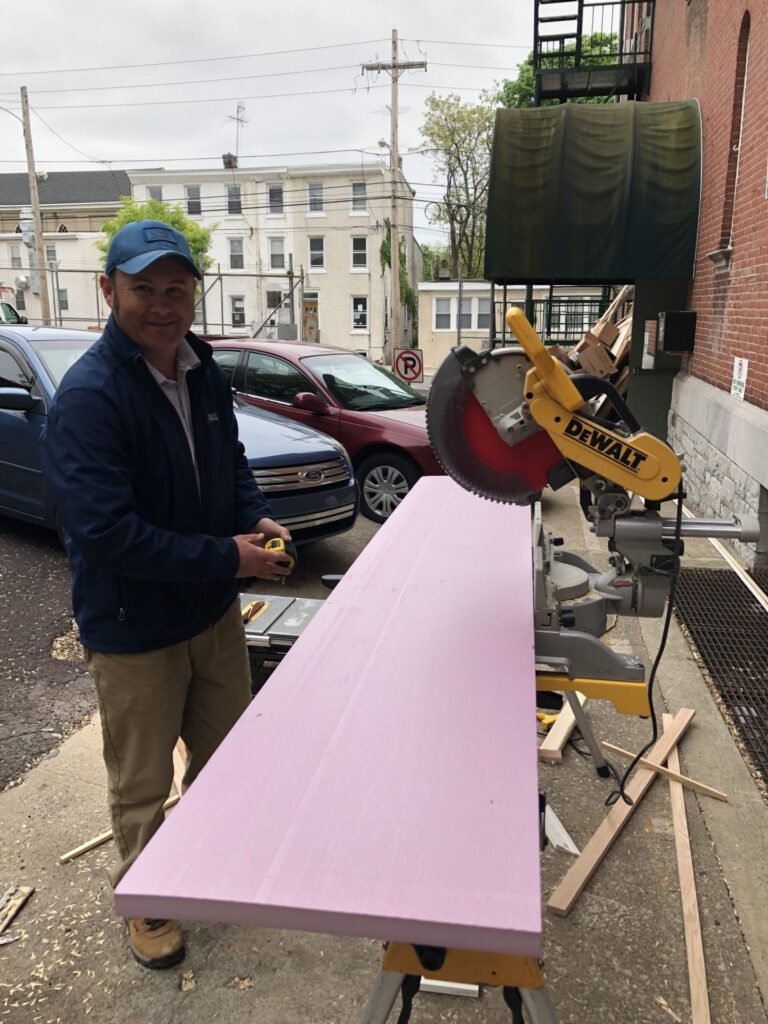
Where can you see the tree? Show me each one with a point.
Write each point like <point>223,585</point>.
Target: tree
<point>597,50</point>
<point>459,137</point>
<point>199,238</point>
<point>431,255</point>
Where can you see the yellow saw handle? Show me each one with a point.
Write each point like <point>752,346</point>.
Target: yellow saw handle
<point>552,376</point>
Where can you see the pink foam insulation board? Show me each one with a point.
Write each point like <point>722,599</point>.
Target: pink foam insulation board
<point>383,783</point>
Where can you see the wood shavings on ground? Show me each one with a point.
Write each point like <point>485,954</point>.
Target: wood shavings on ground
<point>662,1002</point>
<point>67,646</point>
<point>188,981</point>
<point>242,983</point>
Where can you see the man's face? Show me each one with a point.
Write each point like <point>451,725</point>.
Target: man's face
<point>155,307</point>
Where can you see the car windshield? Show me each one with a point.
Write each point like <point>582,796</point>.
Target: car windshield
<point>59,355</point>
<point>358,384</point>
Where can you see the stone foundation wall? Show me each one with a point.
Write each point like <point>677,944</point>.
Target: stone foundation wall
<point>724,446</point>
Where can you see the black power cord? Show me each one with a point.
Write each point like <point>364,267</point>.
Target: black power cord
<point>621,793</point>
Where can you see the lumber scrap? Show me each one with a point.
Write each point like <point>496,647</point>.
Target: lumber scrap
<point>551,747</point>
<point>573,883</point>
<point>697,971</point>
<point>12,901</point>
<point>684,780</point>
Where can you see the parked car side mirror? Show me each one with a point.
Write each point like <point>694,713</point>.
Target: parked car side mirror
<point>17,399</point>
<point>23,319</point>
<point>311,403</point>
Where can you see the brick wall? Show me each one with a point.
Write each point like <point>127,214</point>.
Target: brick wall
<point>697,54</point>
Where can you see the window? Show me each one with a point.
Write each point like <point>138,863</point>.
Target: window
<point>360,313</point>
<point>316,203</point>
<point>234,199</point>
<point>236,260</point>
<point>15,256</point>
<point>442,314</point>
<point>9,313</point>
<point>465,315</point>
<point>226,359</point>
<point>359,197</point>
<point>316,253</point>
<point>194,206</point>
<point>270,377</point>
<point>276,253</point>
<point>274,300</point>
<point>359,252</point>
<point>483,314</point>
<point>63,229</point>
<point>237,305</point>
<point>21,302</point>
<point>63,299</point>
<point>275,198</point>
<point>156,192</point>
<point>11,373</point>
<point>50,255</point>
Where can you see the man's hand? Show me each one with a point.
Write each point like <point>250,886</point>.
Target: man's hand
<point>272,529</point>
<point>255,561</point>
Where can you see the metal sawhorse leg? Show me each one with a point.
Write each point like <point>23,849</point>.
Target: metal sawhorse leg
<point>520,976</point>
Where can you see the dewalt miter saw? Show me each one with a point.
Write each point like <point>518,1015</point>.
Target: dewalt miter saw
<point>509,421</point>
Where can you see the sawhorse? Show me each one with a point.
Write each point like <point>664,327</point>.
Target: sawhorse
<point>403,967</point>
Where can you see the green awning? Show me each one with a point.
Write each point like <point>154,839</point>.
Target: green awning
<point>586,192</point>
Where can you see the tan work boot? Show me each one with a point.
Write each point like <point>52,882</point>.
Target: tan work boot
<point>155,943</point>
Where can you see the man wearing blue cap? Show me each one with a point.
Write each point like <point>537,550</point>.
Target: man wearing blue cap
<point>161,516</point>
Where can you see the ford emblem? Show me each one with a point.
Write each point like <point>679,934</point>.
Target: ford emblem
<point>312,476</point>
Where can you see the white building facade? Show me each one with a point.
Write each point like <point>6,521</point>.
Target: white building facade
<point>295,251</point>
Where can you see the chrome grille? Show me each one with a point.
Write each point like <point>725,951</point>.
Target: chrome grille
<point>333,515</point>
<point>305,477</point>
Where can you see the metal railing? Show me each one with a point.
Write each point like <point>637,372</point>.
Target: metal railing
<point>562,321</point>
<point>267,306</point>
<point>592,34</point>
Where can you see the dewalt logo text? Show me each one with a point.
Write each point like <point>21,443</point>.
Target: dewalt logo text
<point>591,437</point>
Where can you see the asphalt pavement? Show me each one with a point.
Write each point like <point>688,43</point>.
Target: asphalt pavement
<point>620,955</point>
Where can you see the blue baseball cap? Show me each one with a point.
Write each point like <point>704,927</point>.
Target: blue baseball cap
<point>135,246</point>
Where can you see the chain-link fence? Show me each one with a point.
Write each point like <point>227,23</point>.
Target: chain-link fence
<point>268,306</point>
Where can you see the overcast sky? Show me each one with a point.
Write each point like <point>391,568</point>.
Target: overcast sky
<point>185,45</point>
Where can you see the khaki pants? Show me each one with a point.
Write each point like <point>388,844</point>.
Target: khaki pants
<point>195,690</point>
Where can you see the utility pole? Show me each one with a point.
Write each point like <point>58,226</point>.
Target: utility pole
<point>394,68</point>
<point>34,199</point>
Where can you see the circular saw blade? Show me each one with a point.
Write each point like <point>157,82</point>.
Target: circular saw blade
<point>469,447</point>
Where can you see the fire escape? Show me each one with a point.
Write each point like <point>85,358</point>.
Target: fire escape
<point>585,48</point>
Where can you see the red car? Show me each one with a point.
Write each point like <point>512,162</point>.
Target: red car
<point>380,420</point>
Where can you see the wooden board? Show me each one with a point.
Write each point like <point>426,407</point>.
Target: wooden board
<point>570,888</point>
<point>697,970</point>
<point>551,747</point>
<point>366,790</point>
<point>668,773</point>
<point>14,905</point>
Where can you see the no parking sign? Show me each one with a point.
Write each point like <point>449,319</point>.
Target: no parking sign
<point>409,365</point>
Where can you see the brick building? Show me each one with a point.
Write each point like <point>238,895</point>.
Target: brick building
<point>716,51</point>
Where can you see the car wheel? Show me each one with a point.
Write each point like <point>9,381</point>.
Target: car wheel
<point>385,479</point>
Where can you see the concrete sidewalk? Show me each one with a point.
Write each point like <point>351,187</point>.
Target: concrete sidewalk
<point>619,956</point>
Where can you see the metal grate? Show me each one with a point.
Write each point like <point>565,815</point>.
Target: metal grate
<point>729,629</point>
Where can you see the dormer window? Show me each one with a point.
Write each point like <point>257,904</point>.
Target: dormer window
<point>62,229</point>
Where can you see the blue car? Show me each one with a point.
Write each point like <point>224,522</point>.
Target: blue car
<point>306,476</point>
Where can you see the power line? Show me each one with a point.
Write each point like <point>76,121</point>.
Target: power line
<point>192,81</point>
<point>462,42</point>
<point>215,99</point>
<point>190,60</point>
<point>352,90</point>
<point>239,78</point>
